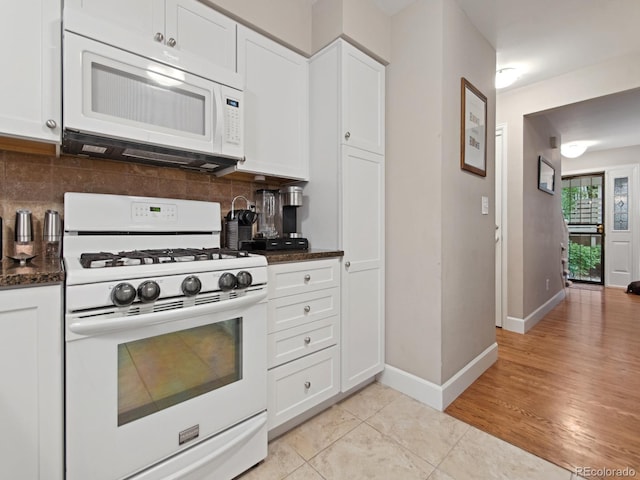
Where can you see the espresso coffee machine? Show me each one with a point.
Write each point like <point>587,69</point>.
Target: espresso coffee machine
<point>277,220</point>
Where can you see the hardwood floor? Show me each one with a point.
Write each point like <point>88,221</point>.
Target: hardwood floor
<point>569,390</point>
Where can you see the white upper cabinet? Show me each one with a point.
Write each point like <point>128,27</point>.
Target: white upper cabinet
<point>276,107</point>
<point>30,80</point>
<point>175,31</point>
<point>363,86</point>
<point>202,31</point>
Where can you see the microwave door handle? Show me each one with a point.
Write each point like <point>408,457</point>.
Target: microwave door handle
<point>218,132</point>
<point>108,325</point>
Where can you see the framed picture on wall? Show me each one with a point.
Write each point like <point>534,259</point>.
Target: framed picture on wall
<point>473,129</point>
<point>546,176</point>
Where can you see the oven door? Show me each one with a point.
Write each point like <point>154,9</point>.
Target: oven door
<point>135,397</point>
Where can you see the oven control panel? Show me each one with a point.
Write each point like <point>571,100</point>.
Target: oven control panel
<point>153,212</point>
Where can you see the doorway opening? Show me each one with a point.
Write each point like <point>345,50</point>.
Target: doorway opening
<point>582,208</point>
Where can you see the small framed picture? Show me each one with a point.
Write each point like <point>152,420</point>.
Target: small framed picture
<point>473,130</point>
<point>546,176</point>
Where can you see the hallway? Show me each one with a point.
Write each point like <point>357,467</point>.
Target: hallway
<point>569,390</point>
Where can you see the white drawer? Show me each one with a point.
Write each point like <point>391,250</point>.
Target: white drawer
<point>300,277</point>
<point>302,384</point>
<point>296,310</point>
<point>297,342</point>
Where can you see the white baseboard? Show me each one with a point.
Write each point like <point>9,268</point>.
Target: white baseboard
<point>520,325</point>
<point>438,396</point>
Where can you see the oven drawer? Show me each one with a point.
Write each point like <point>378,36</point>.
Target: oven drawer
<point>297,386</point>
<point>300,277</point>
<point>296,310</point>
<point>293,343</point>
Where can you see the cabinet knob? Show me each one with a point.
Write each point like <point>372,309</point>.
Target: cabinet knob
<point>307,309</point>
<point>51,123</point>
<point>307,385</point>
<point>171,42</point>
<point>347,264</point>
<point>347,135</point>
<point>307,340</point>
<point>307,277</point>
<point>158,37</point>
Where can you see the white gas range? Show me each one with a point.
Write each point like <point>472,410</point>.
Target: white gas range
<point>165,342</point>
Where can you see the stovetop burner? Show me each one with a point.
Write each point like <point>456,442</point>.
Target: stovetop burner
<point>142,257</point>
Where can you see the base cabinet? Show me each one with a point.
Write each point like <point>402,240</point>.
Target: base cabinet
<point>31,444</point>
<point>303,337</point>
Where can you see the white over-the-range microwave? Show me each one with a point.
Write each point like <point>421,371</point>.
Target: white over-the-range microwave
<point>121,105</point>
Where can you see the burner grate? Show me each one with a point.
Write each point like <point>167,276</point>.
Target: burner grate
<point>157,256</point>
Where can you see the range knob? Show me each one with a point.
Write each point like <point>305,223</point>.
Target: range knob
<point>244,279</point>
<point>227,282</point>
<point>148,291</point>
<point>191,286</point>
<point>123,294</point>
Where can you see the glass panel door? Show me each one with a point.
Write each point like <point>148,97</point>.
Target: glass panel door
<point>582,207</point>
<point>158,372</point>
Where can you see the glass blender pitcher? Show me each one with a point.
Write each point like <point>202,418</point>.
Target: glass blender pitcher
<point>266,201</point>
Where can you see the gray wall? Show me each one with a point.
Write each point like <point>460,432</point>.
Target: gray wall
<point>468,237</point>
<point>440,293</point>
<point>543,213</point>
<point>414,192</point>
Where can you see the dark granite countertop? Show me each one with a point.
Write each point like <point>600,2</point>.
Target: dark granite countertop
<point>36,272</point>
<point>280,256</point>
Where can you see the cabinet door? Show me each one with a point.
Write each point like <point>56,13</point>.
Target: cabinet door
<point>31,444</point>
<point>276,107</point>
<point>363,93</point>
<point>141,18</point>
<point>30,80</point>
<point>363,266</point>
<point>202,31</point>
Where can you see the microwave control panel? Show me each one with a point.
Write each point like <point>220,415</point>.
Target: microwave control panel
<point>232,121</point>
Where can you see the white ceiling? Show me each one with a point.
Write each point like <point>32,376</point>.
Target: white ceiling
<point>546,38</point>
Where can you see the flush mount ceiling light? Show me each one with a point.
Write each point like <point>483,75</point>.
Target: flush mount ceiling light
<point>506,77</point>
<point>573,149</point>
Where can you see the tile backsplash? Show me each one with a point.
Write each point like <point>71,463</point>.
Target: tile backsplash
<point>38,183</point>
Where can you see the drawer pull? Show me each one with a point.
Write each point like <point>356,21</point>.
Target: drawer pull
<point>307,340</point>
<point>307,309</point>
<point>307,385</point>
<point>307,277</point>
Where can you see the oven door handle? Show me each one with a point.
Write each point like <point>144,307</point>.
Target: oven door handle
<point>219,452</point>
<point>97,326</point>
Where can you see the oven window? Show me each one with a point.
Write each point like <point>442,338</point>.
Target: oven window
<point>157,372</point>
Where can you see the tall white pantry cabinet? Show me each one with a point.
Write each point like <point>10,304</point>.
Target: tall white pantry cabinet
<point>347,184</point>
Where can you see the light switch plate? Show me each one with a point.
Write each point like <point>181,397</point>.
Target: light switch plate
<point>485,205</point>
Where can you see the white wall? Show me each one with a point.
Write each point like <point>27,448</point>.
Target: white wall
<point>622,73</point>
<point>440,249</point>
<point>601,160</point>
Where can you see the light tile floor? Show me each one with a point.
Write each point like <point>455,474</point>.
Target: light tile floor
<point>381,434</point>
